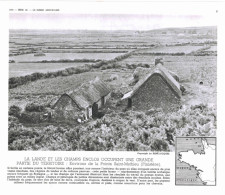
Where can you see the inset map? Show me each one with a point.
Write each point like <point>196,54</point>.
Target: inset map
<point>195,161</point>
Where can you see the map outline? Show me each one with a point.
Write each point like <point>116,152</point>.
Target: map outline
<point>192,166</point>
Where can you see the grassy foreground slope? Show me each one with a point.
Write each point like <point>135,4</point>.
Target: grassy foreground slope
<point>125,131</point>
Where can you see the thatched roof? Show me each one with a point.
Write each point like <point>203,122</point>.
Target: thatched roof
<point>165,75</point>
<point>141,72</point>
<point>89,93</point>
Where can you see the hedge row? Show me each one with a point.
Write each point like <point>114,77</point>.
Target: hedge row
<point>65,61</point>
<point>33,113</point>
<point>161,54</point>
<point>134,66</point>
<point>113,61</point>
<point>17,81</point>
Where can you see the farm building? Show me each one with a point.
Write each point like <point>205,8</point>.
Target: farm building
<point>158,89</point>
<point>82,103</point>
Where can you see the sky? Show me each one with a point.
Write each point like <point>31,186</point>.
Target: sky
<point>82,21</point>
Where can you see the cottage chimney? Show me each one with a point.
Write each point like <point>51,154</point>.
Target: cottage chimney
<point>158,61</point>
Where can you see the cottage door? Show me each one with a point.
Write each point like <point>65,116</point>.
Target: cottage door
<point>102,101</point>
<point>95,110</point>
<point>129,105</point>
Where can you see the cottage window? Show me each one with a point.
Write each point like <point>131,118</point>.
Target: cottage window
<point>87,116</point>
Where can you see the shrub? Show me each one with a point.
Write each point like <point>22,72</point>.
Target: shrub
<point>34,107</point>
<point>114,77</point>
<point>31,117</point>
<point>35,76</point>
<point>103,68</point>
<point>13,80</point>
<point>12,121</point>
<point>116,94</point>
<point>123,131</point>
<point>146,65</point>
<point>14,111</point>
<point>71,70</point>
<point>109,66</point>
<point>159,145</point>
<point>118,65</point>
<point>65,73</point>
<point>11,86</point>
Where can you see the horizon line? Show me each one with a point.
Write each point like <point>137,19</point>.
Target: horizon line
<point>115,29</point>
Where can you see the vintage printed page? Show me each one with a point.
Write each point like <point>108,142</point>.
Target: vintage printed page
<point>112,97</point>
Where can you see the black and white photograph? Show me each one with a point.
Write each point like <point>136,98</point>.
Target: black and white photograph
<point>110,82</point>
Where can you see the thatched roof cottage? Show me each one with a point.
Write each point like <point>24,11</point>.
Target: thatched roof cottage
<point>82,103</point>
<point>158,89</point>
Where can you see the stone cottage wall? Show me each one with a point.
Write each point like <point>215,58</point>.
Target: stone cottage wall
<point>154,93</point>
<point>66,109</point>
<point>107,97</point>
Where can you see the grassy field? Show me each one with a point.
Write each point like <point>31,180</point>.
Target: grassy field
<point>24,64</point>
<point>212,48</point>
<point>21,40</point>
<point>90,49</point>
<point>22,69</point>
<point>172,49</point>
<point>192,68</point>
<point>58,85</point>
<point>59,56</point>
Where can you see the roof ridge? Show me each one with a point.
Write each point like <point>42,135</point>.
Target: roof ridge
<point>164,73</point>
<point>173,83</point>
<point>100,80</point>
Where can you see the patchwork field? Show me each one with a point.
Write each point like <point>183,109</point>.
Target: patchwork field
<point>172,49</point>
<point>188,68</point>
<point>28,63</point>
<point>59,56</point>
